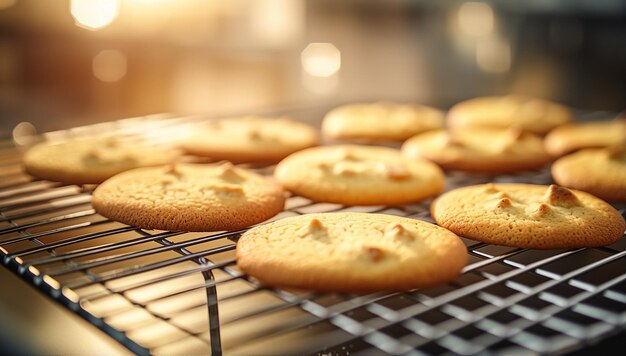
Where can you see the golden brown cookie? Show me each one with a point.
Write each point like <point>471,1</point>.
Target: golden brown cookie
<point>530,114</point>
<point>92,160</point>
<point>250,139</point>
<point>601,172</point>
<point>573,137</point>
<point>529,216</point>
<point>479,150</point>
<point>187,197</point>
<point>351,252</point>
<point>359,175</point>
<point>381,121</point>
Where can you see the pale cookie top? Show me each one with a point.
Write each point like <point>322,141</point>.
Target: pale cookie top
<point>479,149</point>
<point>572,137</point>
<point>92,160</point>
<point>189,197</point>
<point>381,121</point>
<point>530,114</point>
<point>359,175</point>
<point>250,139</point>
<point>601,172</point>
<point>531,216</point>
<point>351,252</point>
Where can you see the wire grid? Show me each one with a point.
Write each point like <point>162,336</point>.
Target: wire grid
<point>180,293</point>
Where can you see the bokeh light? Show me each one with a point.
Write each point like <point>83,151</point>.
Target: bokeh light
<point>321,59</point>
<point>493,56</point>
<point>476,19</point>
<point>109,65</point>
<point>24,133</point>
<point>94,14</point>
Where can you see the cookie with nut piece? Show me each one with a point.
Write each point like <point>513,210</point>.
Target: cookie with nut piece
<point>250,138</point>
<point>351,252</point>
<point>189,197</point>
<point>479,150</point>
<point>530,114</point>
<point>359,175</point>
<point>380,121</point>
<point>529,216</point>
<point>601,172</point>
<point>92,160</point>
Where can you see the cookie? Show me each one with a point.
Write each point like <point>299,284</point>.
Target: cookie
<point>530,114</point>
<point>381,121</point>
<point>189,197</point>
<point>479,150</point>
<point>529,216</point>
<point>601,172</point>
<point>351,252</point>
<point>573,137</point>
<point>92,160</point>
<point>250,139</point>
<point>359,175</point>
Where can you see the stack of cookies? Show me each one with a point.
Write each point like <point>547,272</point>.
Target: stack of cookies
<point>152,187</point>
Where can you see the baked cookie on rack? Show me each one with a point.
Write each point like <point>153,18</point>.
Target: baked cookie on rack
<point>189,197</point>
<point>573,137</point>
<point>530,114</point>
<point>480,150</point>
<point>250,139</point>
<point>359,175</point>
<point>380,121</point>
<point>351,252</point>
<point>600,171</point>
<point>92,160</point>
<point>529,216</point>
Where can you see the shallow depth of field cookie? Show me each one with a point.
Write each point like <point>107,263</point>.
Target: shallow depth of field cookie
<point>92,160</point>
<point>573,137</point>
<point>530,216</point>
<point>250,139</point>
<point>601,172</point>
<point>529,114</point>
<point>188,197</point>
<point>359,175</point>
<point>479,149</point>
<point>381,121</point>
<point>351,252</point>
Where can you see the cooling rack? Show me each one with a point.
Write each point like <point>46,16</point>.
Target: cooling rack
<point>159,292</point>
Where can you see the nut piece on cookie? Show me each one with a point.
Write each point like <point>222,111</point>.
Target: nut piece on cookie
<point>349,254</point>
<point>543,217</point>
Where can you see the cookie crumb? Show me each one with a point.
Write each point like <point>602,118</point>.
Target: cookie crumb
<point>375,253</point>
<point>315,224</point>
<point>396,230</point>
<point>504,203</point>
<point>542,210</point>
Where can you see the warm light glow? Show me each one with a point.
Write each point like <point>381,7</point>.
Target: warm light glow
<point>476,19</point>
<point>24,133</point>
<point>94,14</point>
<point>109,66</point>
<point>5,4</point>
<point>493,56</point>
<point>321,59</point>
<point>278,22</point>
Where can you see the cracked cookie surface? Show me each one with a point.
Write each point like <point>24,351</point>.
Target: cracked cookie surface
<point>480,150</point>
<point>359,175</point>
<point>601,172</point>
<point>529,216</point>
<point>351,252</point>
<point>92,160</point>
<point>380,121</point>
<point>189,197</point>
<point>250,139</point>
<point>530,114</point>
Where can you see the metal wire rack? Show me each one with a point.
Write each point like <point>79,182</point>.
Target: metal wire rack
<point>181,293</point>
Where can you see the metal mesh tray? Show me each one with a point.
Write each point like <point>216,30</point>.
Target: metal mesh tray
<point>182,293</point>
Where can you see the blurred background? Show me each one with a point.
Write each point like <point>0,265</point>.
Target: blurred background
<point>66,63</point>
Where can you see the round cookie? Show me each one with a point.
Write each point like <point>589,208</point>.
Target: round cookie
<point>188,197</point>
<point>530,114</point>
<point>359,175</point>
<point>479,150</point>
<point>351,252</point>
<point>573,137</point>
<point>381,121</point>
<point>250,139</point>
<point>93,160</point>
<point>529,216</point>
<point>601,172</point>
